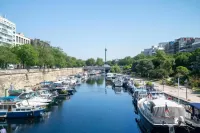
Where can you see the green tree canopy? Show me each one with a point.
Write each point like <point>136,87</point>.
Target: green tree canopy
<point>182,59</point>
<point>59,57</point>
<point>7,56</point>
<point>126,61</point>
<point>182,71</point>
<point>99,62</point>
<point>27,54</point>
<point>144,66</point>
<point>115,69</point>
<point>90,62</point>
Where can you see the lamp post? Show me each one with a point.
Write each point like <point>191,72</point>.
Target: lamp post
<point>178,89</point>
<point>186,84</point>
<point>163,82</point>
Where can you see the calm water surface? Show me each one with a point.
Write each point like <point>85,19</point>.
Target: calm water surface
<point>94,108</point>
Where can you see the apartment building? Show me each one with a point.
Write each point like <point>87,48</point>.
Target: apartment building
<point>21,39</point>
<point>7,31</point>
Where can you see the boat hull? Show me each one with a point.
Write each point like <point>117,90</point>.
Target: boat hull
<point>25,114</point>
<point>150,128</point>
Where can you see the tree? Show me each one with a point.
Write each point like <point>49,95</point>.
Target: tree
<point>46,57</point>
<point>182,71</point>
<point>115,69</point>
<point>27,54</point>
<point>126,61</point>
<point>90,62</point>
<point>109,63</point>
<point>144,66</point>
<point>7,56</point>
<point>99,62</point>
<point>59,57</point>
<point>139,56</point>
<point>182,59</point>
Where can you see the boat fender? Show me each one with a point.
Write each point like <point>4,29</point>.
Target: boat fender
<point>180,120</point>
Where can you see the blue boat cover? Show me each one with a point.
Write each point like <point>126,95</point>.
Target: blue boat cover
<point>8,98</point>
<point>196,105</point>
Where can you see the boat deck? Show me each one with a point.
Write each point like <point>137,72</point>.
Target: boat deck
<point>193,123</point>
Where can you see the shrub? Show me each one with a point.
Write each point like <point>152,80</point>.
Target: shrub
<point>149,83</point>
<point>136,84</point>
<point>63,92</point>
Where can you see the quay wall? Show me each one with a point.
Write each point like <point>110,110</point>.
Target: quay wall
<point>24,78</point>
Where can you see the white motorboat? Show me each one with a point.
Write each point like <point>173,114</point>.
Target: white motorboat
<point>109,76</point>
<point>118,82</point>
<point>33,98</point>
<point>33,103</point>
<point>160,114</point>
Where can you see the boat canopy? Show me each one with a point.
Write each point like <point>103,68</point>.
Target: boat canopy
<point>196,105</point>
<point>166,108</point>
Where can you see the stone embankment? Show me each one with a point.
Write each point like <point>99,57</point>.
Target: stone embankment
<point>21,78</point>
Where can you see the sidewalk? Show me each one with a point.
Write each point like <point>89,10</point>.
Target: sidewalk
<point>174,91</point>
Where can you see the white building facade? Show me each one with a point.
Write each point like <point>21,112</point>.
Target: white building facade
<point>7,31</point>
<point>151,51</point>
<point>21,39</point>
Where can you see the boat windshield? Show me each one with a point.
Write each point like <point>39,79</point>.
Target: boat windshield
<point>142,92</point>
<point>33,94</point>
<point>24,96</point>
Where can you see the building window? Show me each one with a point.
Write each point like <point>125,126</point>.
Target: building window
<point>24,41</point>
<point>16,38</point>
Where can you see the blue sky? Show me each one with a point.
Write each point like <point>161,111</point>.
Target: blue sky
<point>82,28</point>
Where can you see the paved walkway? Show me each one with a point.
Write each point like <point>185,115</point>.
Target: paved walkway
<point>174,91</point>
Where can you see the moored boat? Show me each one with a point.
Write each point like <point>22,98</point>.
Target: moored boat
<point>159,114</point>
<point>18,110</point>
<point>139,94</point>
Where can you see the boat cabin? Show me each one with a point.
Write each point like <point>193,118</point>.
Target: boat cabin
<point>140,93</point>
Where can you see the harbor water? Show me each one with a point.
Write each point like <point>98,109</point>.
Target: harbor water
<point>96,107</point>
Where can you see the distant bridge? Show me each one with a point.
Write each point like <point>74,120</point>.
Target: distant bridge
<point>102,68</point>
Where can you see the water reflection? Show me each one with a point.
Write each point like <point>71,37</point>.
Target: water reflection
<point>90,81</point>
<point>18,125</point>
<point>99,80</point>
<point>117,90</point>
<point>83,110</point>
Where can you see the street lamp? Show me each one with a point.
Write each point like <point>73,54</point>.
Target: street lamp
<point>178,89</point>
<point>163,82</point>
<point>186,83</point>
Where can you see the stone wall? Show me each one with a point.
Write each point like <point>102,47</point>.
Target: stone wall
<point>28,78</point>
